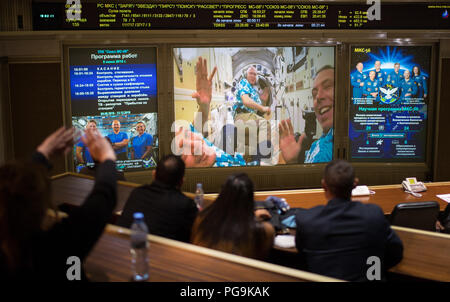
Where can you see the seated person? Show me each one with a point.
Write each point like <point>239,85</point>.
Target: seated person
<point>443,222</point>
<point>27,250</point>
<point>229,224</point>
<point>167,211</point>
<point>337,239</point>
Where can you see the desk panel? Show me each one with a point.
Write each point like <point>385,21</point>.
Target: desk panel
<point>174,261</point>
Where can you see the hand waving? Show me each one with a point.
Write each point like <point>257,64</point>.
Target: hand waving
<point>99,147</point>
<point>290,149</point>
<point>57,143</point>
<point>203,83</point>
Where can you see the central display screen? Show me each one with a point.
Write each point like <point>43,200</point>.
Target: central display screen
<point>252,106</point>
<point>113,89</point>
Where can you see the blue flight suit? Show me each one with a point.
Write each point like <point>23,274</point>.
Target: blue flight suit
<point>421,82</point>
<point>86,154</point>
<point>356,79</point>
<point>140,144</point>
<point>395,79</point>
<point>381,77</point>
<point>371,87</point>
<point>117,138</point>
<point>408,87</point>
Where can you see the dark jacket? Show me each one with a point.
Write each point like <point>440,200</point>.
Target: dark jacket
<point>337,239</point>
<point>73,236</point>
<point>167,211</point>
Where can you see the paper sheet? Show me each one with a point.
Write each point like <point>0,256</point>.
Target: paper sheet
<point>445,197</point>
<point>285,241</point>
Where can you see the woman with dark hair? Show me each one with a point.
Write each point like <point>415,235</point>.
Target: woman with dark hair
<point>421,82</point>
<point>30,248</point>
<point>229,224</point>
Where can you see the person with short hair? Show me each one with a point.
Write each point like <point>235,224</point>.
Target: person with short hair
<point>321,150</point>
<point>357,79</point>
<point>395,78</point>
<point>119,141</point>
<point>31,247</point>
<point>337,239</point>
<point>380,75</point>
<point>167,211</point>
<point>230,225</point>
<point>249,108</point>
<point>407,86</point>
<point>371,86</point>
<point>141,143</point>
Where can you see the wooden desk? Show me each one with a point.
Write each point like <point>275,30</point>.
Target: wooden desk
<point>175,261</point>
<point>385,196</point>
<point>425,254</point>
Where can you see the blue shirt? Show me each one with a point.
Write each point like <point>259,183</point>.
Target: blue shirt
<point>223,159</point>
<point>321,150</point>
<point>245,87</point>
<point>117,138</point>
<point>408,87</point>
<point>395,79</point>
<point>370,87</point>
<point>356,79</point>
<point>421,82</point>
<point>381,77</point>
<point>140,144</point>
<point>86,154</point>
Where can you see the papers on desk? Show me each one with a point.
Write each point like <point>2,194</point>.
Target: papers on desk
<point>285,241</point>
<point>445,197</point>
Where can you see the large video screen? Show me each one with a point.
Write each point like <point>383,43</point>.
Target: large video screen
<point>253,106</point>
<point>389,96</point>
<point>114,90</point>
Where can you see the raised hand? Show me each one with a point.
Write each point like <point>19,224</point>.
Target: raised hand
<point>290,149</point>
<point>58,142</point>
<point>100,149</point>
<point>203,83</point>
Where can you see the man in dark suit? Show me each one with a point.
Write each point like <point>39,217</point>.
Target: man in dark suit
<point>167,211</point>
<point>337,239</point>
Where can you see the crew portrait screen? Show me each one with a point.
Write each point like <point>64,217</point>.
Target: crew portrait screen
<point>113,89</point>
<point>389,97</point>
<point>253,106</point>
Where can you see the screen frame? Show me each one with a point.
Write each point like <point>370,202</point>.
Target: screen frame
<point>430,105</point>
<point>238,45</point>
<point>67,104</point>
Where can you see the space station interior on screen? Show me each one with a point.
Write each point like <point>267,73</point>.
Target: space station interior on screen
<point>388,110</point>
<point>259,86</point>
<point>134,139</point>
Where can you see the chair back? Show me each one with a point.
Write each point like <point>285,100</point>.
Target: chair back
<point>416,215</point>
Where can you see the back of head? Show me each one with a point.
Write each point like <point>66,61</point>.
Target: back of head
<point>24,200</point>
<point>230,218</point>
<point>170,170</point>
<point>339,177</point>
<point>237,194</point>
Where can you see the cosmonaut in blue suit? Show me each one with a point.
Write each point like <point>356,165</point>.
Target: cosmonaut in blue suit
<point>395,78</point>
<point>357,79</point>
<point>380,75</point>
<point>407,86</point>
<point>421,82</point>
<point>371,86</point>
